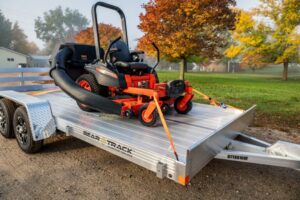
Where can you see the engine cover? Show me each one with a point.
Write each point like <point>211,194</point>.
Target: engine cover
<point>175,88</point>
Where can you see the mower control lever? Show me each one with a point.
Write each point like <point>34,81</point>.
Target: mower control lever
<point>109,50</point>
<point>113,50</point>
<point>157,55</point>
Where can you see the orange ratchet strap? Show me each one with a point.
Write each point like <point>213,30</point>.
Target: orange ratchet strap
<point>164,123</point>
<point>214,102</point>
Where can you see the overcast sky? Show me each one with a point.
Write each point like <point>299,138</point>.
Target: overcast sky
<point>27,10</point>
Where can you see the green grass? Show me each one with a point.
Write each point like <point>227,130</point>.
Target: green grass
<point>278,101</point>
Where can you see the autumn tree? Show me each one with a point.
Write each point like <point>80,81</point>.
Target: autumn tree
<point>249,42</point>
<point>233,52</point>
<point>284,17</point>
<point>185,28</point>
<point>107,32</point>
<point>253,61</point>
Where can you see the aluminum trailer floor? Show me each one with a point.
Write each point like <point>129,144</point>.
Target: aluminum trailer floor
<point>198,136</point>
<point>205,133</point>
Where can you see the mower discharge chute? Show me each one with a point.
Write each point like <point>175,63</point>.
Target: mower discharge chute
<point>117,81</point>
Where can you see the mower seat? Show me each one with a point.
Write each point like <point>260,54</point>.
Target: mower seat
<point>123,59</point>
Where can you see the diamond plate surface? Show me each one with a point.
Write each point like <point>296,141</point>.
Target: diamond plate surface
<point>39,112</point>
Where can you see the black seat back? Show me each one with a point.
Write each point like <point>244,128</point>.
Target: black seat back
<point>123,54</point>
<point>82,55</point>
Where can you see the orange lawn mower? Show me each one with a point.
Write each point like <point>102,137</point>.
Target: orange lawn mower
<point>117,81</point>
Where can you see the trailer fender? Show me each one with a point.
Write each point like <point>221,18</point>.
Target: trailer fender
<point>42,122</point>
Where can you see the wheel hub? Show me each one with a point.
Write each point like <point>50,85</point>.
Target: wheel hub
<point>2,120</point>
<point>22,130</point>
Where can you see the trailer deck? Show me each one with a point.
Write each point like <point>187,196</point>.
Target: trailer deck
<point>205,133</point>
<point>149,146</point>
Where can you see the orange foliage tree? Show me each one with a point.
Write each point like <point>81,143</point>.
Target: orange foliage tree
<point>108,32</point>
<point>186,28</point>
<point>253,61</point>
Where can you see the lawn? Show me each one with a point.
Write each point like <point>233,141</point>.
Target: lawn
<point>278,102</point>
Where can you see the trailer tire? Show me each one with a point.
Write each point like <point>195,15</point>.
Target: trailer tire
<point>7,109</point>
<point>23,132</point>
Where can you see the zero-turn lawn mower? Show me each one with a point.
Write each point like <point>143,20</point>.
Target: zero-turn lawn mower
<point>117,81</point>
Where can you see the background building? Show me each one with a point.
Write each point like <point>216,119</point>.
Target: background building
<point>10,58</point>
<point>38,61</point>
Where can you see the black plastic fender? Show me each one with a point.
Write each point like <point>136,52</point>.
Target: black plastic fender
<point>103,79</point>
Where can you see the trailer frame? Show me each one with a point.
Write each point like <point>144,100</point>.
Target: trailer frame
<point>208,132</point>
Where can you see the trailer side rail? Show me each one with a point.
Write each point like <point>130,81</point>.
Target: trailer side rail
<point>25,79</point>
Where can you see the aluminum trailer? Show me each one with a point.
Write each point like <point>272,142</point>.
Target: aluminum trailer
<point>207,132</point>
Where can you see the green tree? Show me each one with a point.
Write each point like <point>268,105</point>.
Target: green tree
<point>19,41</point>
<point>59,26</point>
<point>5,31</point>
<point>186,28</point>
<point>283,45</point>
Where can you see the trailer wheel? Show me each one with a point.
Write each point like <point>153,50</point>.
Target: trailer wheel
<point>151,121</point>
<point>88,82</point>
<point>23,132</point>
<point>7,109</point>
<point>182,110</point>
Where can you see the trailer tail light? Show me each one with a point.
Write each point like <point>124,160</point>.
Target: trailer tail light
<point>183,180</point>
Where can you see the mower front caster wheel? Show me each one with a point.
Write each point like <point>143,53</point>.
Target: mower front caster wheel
<point>182,109</point>
<point>151,120</point>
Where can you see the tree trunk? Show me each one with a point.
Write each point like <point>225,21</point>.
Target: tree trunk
<point>285,71</point>
<point>185,64</point>
<point>228,66</point>
<point>183,68</point>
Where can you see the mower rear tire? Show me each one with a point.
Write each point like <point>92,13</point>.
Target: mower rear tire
<point>88,82</point>
<point>7,109</point>
<point>187,108</point>
<point>152,120</point>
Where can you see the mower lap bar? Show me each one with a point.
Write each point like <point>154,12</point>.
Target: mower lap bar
<point>67,84</point>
